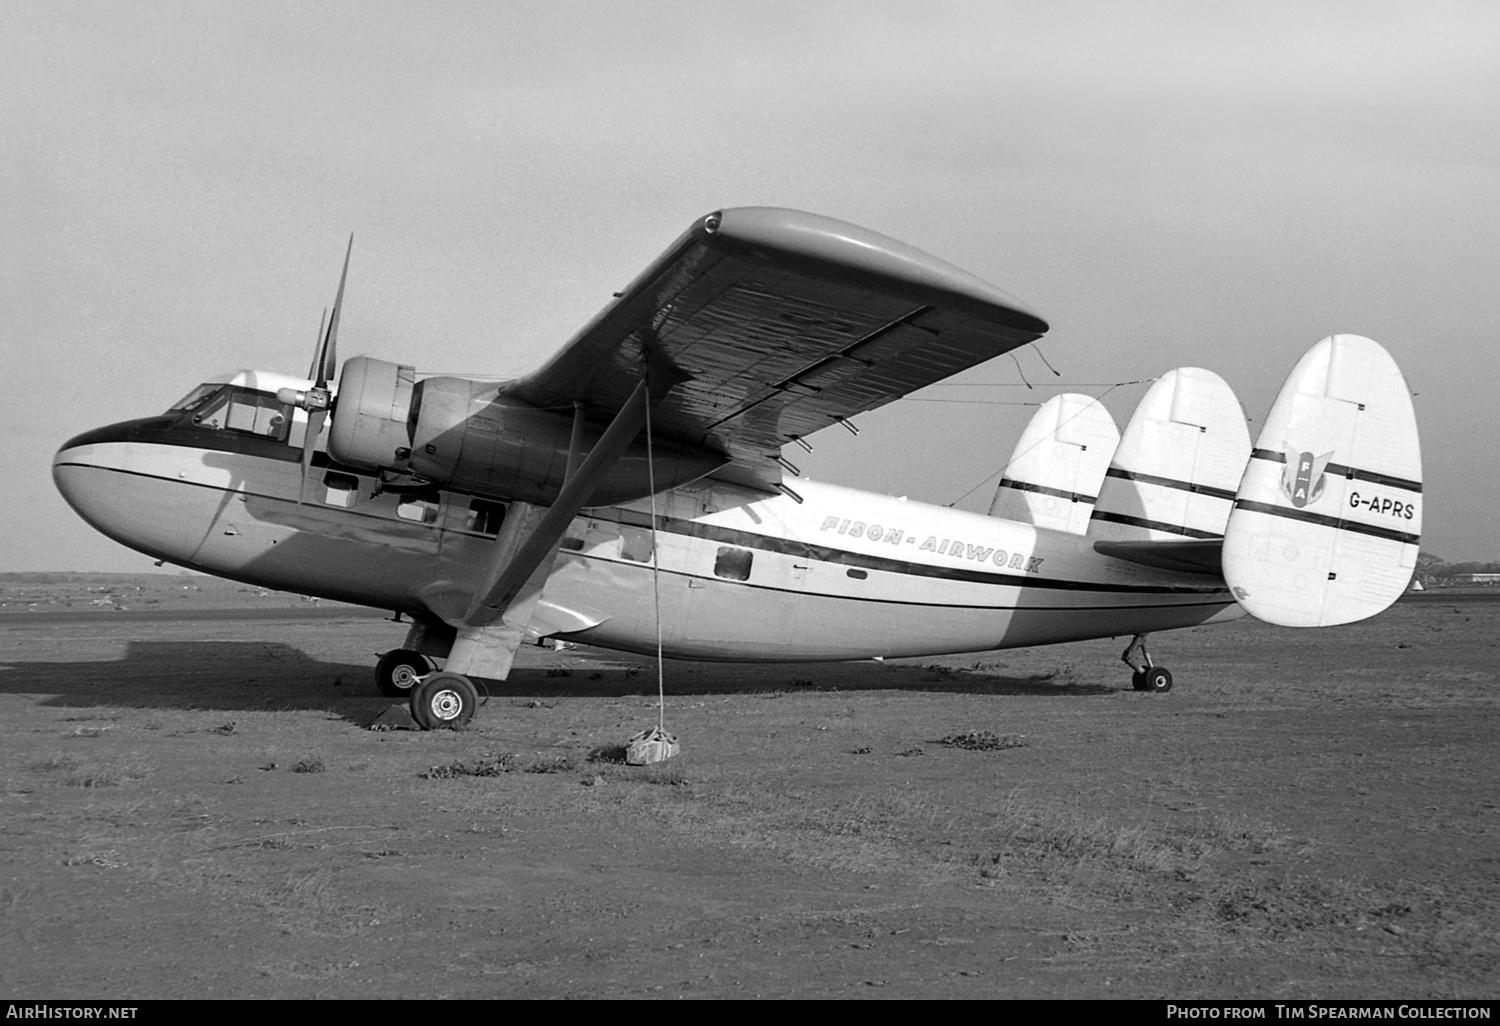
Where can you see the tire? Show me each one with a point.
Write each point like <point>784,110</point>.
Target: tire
<point>1157,680</point>
<point>398,672</point>
<point>1138,680</point>
<point>444,700</point>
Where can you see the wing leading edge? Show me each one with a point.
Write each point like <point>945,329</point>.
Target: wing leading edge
<point>774,324</point>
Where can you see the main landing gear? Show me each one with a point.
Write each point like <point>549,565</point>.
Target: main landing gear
<point>444,700</point>
<point>1145,676</point>
<point>399,671</point>
<point>437,699</point>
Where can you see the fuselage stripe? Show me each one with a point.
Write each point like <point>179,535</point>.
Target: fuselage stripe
<point>1153,525</point>
<point>1027,486</point>
<point>340,511</point>
<point>785,546</point>
<point>1322,520</point>
<point>1169,482</point>
<point>1224,598</point>
<point>1345,471</point>
<point>843,557</point>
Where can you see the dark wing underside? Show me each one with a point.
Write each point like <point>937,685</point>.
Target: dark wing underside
<point>775,324</point>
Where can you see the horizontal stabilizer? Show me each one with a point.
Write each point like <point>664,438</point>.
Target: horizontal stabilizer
<point>1174,474</point>
<point>1053,477</point>
<point>1328,517</point>
<point>1186,557</point>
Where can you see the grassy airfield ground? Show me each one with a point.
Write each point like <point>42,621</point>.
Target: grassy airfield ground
<point>193,807</point>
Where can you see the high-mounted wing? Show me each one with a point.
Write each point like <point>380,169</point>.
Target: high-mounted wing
<point>774,324</point>
<point>758,326</point>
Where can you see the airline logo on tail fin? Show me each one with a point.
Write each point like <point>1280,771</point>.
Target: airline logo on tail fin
<point>1302,478</point>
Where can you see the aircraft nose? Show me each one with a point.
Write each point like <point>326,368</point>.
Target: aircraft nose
<point>82,473</point>
<point>120,489</point>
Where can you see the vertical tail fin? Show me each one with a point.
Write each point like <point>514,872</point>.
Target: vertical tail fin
<point>1053,476</point>
<point>1174,474</point>
<point>1328,517</point>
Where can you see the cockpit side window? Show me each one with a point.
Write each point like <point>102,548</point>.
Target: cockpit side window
<point>242,409</point>
<point>257,413</point>
<point>196,397</point>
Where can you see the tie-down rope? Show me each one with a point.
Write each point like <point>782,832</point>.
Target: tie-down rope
<point>661,687</point>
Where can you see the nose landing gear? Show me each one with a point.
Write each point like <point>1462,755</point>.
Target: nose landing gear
<point>1145,676</point>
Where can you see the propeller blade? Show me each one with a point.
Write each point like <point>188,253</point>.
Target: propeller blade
<point>312,370</point>
<point>325,362</point>
<point>329,356</point>
<point>315,420</point>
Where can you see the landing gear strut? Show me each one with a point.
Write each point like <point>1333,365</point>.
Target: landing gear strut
<point>1145,676</point>
<point>399,671</point>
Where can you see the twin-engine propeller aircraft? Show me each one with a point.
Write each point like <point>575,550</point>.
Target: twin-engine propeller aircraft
<point>651,446</point>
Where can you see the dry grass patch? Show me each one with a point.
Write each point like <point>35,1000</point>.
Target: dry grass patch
<point>481,766</point>
<point>554,762</point>
<point>1063,841</point>
<point>95,775</point>
<point>983,741</point>
<point>52,764</point>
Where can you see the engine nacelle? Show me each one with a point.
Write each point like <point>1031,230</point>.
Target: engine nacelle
<point>468,435</point>
<point>372,428</point>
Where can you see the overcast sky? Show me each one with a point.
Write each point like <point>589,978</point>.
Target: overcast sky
<point>1209,184</point>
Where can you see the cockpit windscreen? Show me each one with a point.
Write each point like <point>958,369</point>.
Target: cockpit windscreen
<point>233,408</point>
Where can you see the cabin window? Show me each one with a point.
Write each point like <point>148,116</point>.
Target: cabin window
<point>733,564</point>
<point>485,517</point>
<point>421,509</point>
<point>340,489</point>
<point>603,540</point>
<point>635,544</point>
<point>572,540</point>
<point>598,539</point>
<point>858,575</point>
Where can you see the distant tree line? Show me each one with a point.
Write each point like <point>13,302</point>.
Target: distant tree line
<point>1433,571</point>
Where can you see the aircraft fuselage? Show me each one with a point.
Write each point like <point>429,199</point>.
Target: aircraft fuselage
<point>843,574</point>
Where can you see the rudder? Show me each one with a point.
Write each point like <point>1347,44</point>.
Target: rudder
<point>1174,474</point>
<point>1053,477</point>
<point>1328,517</point>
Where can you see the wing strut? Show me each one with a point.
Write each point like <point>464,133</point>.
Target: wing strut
<point>497,616</point>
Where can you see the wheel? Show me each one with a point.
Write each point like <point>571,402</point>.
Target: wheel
<point>399,670</point>
<point>443,700</point>
<point>1138,680</point>
<point>1156,679</point>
